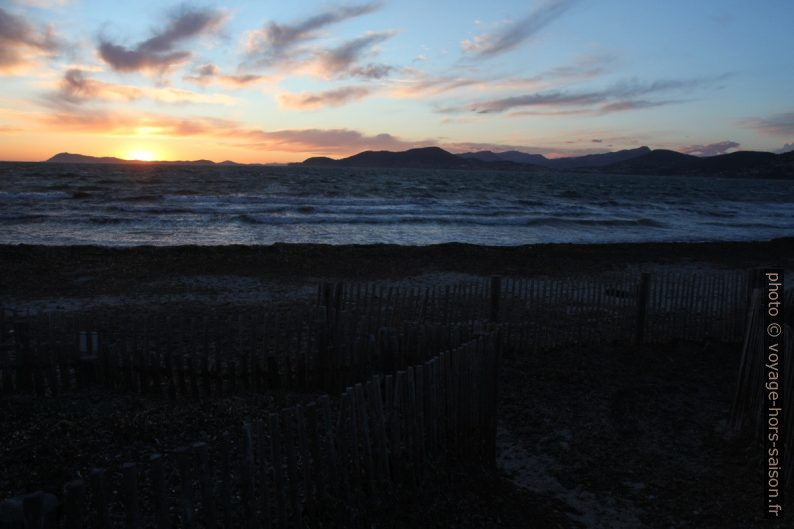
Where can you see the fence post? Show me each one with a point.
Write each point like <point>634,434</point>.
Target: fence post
<point>496,291</point>
<point>642,307</point>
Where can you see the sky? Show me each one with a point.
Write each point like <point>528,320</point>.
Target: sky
<point>272,81</point>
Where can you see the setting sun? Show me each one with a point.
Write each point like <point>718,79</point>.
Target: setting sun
<point>140,154</point>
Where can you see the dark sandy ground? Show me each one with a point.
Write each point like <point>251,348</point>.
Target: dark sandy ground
<point>67,277</point>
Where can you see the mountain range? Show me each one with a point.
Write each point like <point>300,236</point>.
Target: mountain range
<point>642,160</point>
<point>67,157</point>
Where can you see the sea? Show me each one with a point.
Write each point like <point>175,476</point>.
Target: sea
<point>162,204</point>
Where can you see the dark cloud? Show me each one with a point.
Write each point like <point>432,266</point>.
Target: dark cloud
<point>371,71</point>
<point>209,73</point>
<point>777,125</point>
<point>332,98</point>
<point>277,43</point>
<point>712,149</point>
<point>18,38</point>
<point>76,88</point>
<point>507,38</point>
<point>159,51</point>
<point>339,60</point>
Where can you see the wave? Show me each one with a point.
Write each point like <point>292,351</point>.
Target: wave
<point>22,218</point>
<point>460,220</point>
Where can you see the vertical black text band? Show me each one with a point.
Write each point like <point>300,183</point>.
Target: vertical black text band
<point>773,369</point>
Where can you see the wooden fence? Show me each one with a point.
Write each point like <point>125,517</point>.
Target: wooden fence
<point>197,357</point>
<point>329,462</point>
<point>354,330</point>
<point>548,313</point>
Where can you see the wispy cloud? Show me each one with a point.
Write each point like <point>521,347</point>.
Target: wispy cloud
<point>417,83</point>
<point>712,149</point>
<point>207,74</point>
<point>340,60</point>
<point>781,124</point>
<point>622,106</point>
<point>328,98</point>
<point>328,141</point>
<point>618,97</point>
<point>75,88</point>
<point>159,52</point>
<point>544,99</point>
<point>275,43</point>
<point>43,3</point>
<point>21,41</point>
<point>513,34</point>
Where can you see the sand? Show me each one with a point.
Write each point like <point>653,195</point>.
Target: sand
<point>76,277</point>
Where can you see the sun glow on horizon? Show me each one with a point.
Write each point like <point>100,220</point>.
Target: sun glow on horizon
<point>142,155</point>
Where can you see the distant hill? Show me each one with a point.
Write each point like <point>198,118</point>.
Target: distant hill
<point>507,156</point>
<point>599,160</point>
<point>424,157</point>
<point>747,164</point>
<point>641,160</point>
<point>67,157</point>
<point>574,162</point>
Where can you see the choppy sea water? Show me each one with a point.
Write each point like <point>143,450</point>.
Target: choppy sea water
<point>123,205</point>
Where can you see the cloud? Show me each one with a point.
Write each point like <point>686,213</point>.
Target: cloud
<point>776,125</point>
<point>159,53</point>
<point>209,73</point>
<point>21,42</point>
<point>329,141</point>
<point>786,148</point>
<point>337,61</point>
<point>556,98</point>
<point>107,122</point>
<point>622,106</point>
<point>332,98</point>
<point>712,149</point>
<point>618,97</point>
<point>416,83</point>
<point>43,3</point>
<point>76,88</point>
<point>371,71</point>
<point>513,34</point>
<point>276,43</point>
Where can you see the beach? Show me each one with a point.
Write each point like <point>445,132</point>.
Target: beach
<point>70,277</point>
